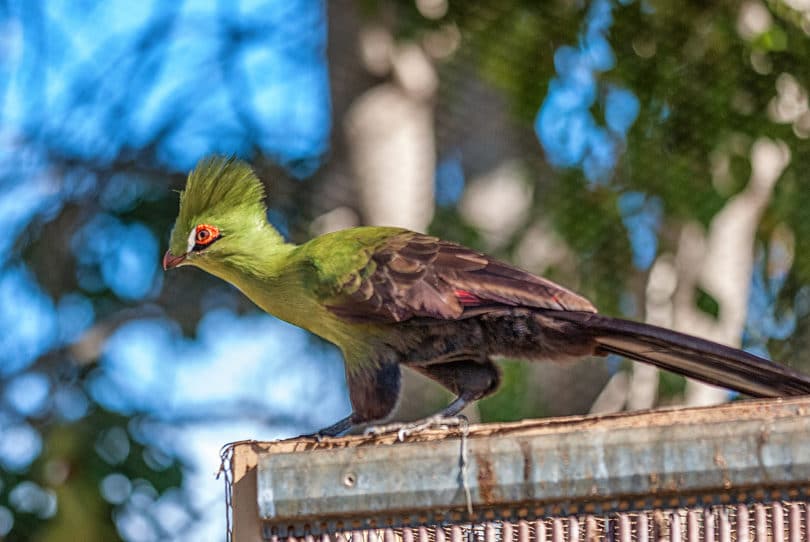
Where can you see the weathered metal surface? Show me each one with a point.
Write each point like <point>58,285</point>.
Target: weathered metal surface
<point>754,452</point>
<point>744,500</point>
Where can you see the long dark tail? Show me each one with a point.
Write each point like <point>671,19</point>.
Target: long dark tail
<point>690,356</point>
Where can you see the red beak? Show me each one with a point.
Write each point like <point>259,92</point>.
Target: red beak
<point>170,261</point>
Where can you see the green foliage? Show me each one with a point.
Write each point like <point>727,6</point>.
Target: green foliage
<point>670,385</point>
<point>448,225</point>
<point>516,399</point>
<point>706,303</point>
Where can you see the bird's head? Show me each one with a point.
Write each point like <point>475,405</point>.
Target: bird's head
<point>221,207</point>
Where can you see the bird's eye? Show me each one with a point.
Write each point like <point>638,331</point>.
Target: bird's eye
<point>204,235</point>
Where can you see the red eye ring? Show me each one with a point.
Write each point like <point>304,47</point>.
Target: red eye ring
<point>206,234</point>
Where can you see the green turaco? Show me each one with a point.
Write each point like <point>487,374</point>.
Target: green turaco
<point>389,297</point>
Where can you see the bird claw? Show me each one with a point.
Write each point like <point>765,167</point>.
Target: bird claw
<point>318,437</point>
<point>405,430</point>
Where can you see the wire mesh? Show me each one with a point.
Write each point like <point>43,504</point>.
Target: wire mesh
<point>787,521</point>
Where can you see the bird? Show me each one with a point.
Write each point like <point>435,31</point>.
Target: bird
<point>388,297</point>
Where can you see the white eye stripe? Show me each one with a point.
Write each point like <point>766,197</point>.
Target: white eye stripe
<point>191,240</point>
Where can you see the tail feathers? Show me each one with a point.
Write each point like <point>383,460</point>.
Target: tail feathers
<point>692,357</point>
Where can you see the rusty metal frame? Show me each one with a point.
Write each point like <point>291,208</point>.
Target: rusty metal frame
<point>754,451</point>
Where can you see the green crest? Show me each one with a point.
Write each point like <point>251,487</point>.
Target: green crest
<point>222,191</point>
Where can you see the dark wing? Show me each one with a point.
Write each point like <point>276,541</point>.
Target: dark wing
<point>413,275</point>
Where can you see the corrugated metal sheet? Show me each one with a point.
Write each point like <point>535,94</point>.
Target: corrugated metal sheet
<point>736,472</point>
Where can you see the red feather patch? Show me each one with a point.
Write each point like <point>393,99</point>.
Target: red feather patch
<point>466,298</point>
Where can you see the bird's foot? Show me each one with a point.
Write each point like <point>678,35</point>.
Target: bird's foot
<point>404,430</point>
<point>318,437</point>
<point>335,430</point>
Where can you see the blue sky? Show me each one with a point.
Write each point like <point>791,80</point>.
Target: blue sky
<point>565,124</point>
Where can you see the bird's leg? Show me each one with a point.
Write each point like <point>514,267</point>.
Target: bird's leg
<point>453,409</point>
<point>469,379</point>
<point>445,418</point>
<point>336,429</point>
<point>374,394</point>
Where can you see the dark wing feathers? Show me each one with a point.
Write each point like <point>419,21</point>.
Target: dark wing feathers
<point>414,275</point>
<point>411,275</point>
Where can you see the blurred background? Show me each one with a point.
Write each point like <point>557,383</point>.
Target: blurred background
<point>650,154</point>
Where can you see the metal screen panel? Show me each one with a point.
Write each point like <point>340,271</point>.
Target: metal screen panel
<point>777,522</point>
